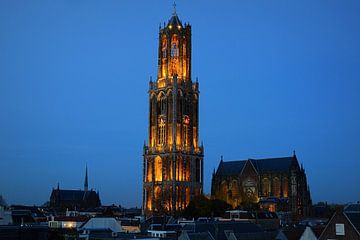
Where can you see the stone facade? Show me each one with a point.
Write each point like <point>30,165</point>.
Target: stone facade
<point>173,158</point>
<point>278,184</point>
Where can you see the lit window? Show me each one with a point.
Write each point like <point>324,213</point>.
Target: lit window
<point>161,131</point>
<point>174,50</point>
<point>340,230</point>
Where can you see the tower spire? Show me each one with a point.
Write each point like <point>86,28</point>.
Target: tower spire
<point>174,8</point>
<point>86,184</point>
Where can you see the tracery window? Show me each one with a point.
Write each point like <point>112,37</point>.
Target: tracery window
<point>149,170</point>
<point>186,135</point>
<point>164,55</point>
<point>174,50</point>
<point>266,187</point>
<point>161,104</point>
<point>285,187</point>
<point>174,53</point>
<point>276,187</point>
<point>164,46</point>
<point>161,131</point>
<point>186,122</point>
<point>158,169</point>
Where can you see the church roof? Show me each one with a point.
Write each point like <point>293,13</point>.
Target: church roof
<point>231,168</point>
<point>272,164</point>
<point>175,21</point>
<point>74,195</point>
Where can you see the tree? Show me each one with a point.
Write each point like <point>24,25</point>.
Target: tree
<point>201,206</point>
<point>249,206</point>
<point>219,207</point>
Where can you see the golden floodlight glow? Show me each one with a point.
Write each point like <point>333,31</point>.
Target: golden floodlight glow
<point>69,225</point>
<point>172,161</point>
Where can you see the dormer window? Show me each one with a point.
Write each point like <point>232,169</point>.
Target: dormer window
<point>174,50</point>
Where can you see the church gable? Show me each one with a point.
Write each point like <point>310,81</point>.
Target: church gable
<point>248,169</point>
<point>249,183</point>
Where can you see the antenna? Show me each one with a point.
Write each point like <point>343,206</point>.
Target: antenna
<point>86,184</point>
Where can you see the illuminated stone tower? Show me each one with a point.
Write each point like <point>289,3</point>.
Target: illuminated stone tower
<point>173,159</point>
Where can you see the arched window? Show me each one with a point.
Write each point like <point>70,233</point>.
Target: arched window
<point>224,190</point>
<point>164,55</point>
<point>169,97</point>
<point>148,199</point>
<point>161,130</point>
<point>266,187</point>
<point>174,53</point>
<point>169,129</point>
<point>149,170</point>
<point>158,168</point>
<point>161,103</point>
<point>157,201</point>
<point>184,46</point>
<point>187,196</point>
<point>235,188</point>
<point>186,129</point>
<point>187,169</point>
<point>174,46</point>
<point>286,187</point>
<point>184,64</point>
<point>276,187</point>
<point>164,46</point>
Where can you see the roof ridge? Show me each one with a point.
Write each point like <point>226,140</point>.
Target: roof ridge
<point>235,161</point>
<point>271,158</point>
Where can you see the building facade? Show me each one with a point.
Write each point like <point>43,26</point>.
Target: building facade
<point>62,199</point>
<point>277,184</point>
<point>173,158</point>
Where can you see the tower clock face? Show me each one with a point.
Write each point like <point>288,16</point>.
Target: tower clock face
<point>186,120</point>
<point>161,120</point>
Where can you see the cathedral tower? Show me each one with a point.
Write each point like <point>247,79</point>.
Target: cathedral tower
<point>173,158</point>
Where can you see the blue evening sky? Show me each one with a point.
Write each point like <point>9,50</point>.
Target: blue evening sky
<point>275,76</point>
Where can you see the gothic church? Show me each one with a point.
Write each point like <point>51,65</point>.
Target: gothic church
<point>277,184</point>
